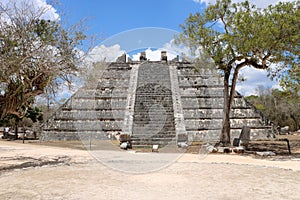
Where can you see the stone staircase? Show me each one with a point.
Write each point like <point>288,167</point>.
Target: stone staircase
<point>153,121</point>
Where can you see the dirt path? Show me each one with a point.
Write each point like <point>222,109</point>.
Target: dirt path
<point>78,176</point>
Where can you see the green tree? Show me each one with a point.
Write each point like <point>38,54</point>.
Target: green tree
<point>281,107</point>
<point>240,35</point>
<point>35,114</point>
<point>291,80</point>
<point>36,55</point>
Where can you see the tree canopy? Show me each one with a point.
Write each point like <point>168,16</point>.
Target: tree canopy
<point>36,54</point>
<point>236,35</point>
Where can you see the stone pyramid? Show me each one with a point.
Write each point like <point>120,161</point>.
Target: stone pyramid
<point>156,102</point>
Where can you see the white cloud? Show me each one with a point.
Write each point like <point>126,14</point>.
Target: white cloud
<point>258,3</point>
<point>111,53</point>
<point>51,12</point>
<point>36,6</point>
<point>254,78</point>
<point>65,92</point>
<point>179,49</point>
<point>104,53</point>
<point>172,51</point>
<point>154,55</point>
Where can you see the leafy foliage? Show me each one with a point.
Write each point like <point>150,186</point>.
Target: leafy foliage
<point>35,114</point>
<point>35,55</point>
<point>236,35</point>
<point>291,80</point>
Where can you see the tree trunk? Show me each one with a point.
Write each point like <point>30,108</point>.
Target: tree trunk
<point>228,100</point>
<point>225,133</point>
<point>16,127</point>
<point>295,121</point>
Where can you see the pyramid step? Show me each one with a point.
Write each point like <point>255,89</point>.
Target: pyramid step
<point>173,135</point>
<point>152,142</point>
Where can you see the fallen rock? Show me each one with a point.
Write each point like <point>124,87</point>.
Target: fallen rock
<point>124,145</point>
<point>224,149</point>
<point>239,149</point>
<point>155,148</point>
<point>211,149</point>
<point>182,145</point>
<point>266,153</point>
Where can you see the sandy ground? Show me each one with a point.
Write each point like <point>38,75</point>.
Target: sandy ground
<point>30,171</point>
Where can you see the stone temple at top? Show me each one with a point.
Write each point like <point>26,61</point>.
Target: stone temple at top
<point>156,102</point>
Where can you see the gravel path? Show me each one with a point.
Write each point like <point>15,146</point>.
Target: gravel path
<point>77,175</point>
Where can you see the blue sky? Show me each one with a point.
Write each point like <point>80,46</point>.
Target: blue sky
<point>121,25</point>
<point>111,17</point>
